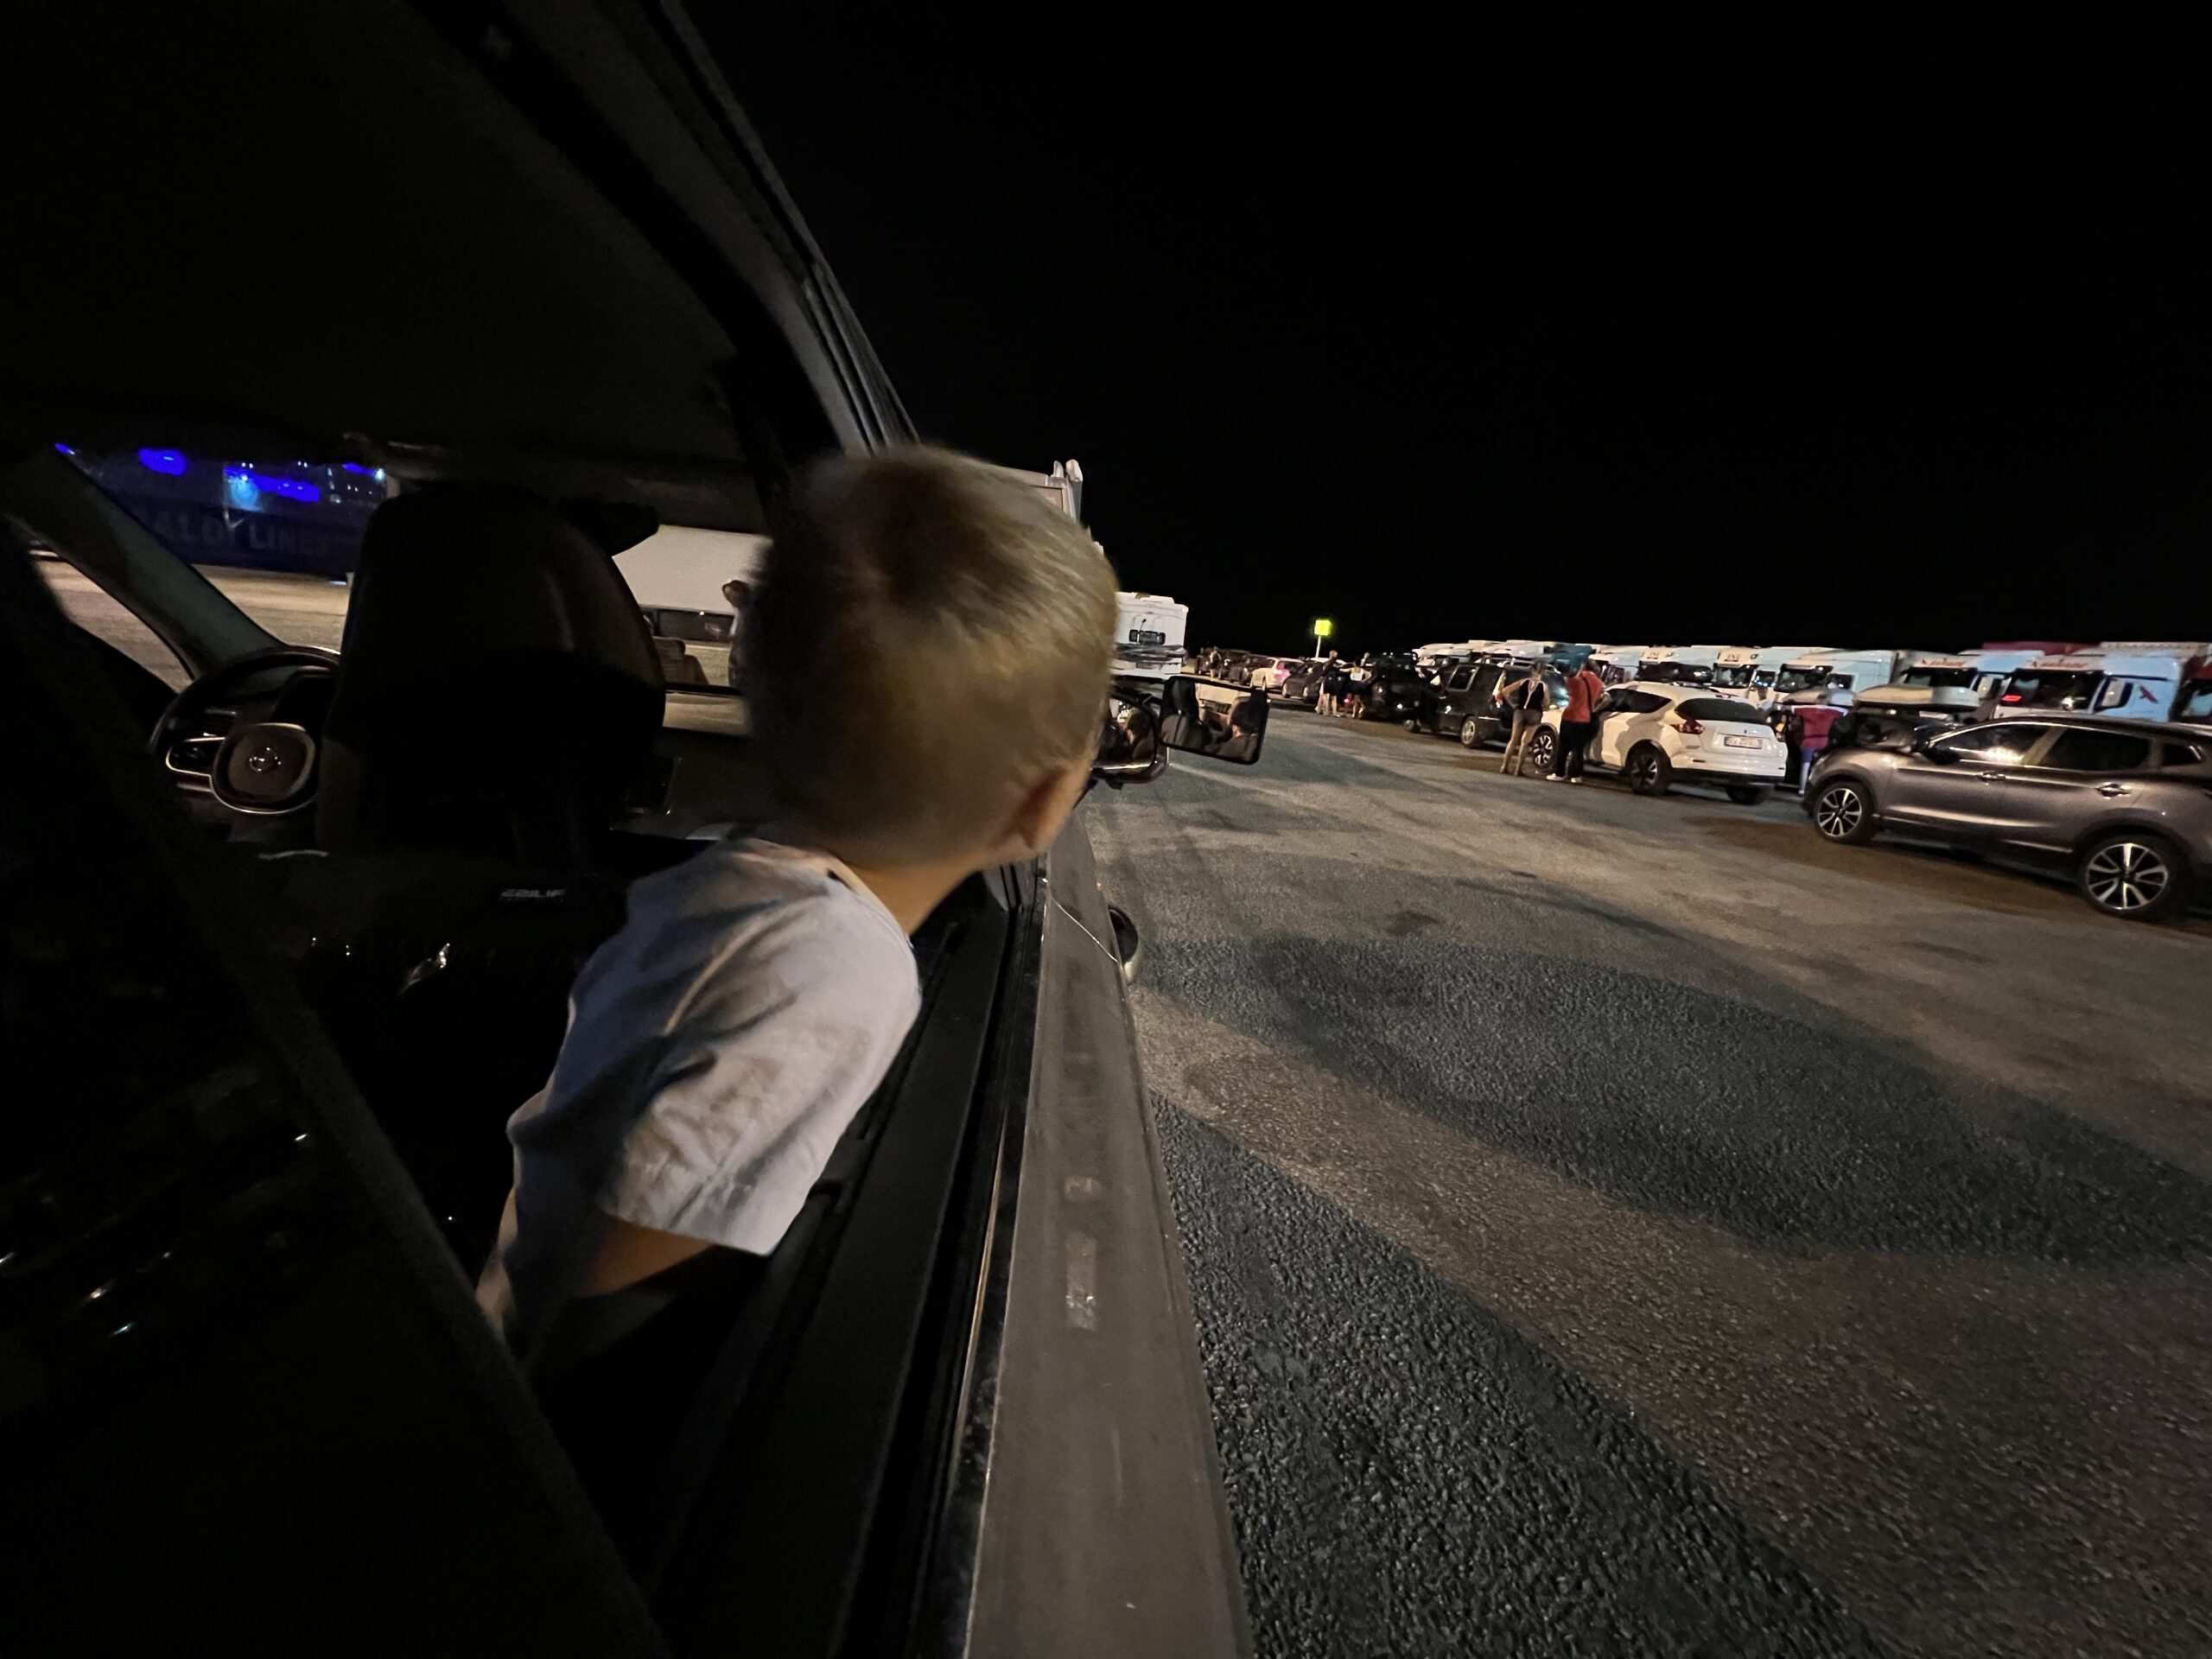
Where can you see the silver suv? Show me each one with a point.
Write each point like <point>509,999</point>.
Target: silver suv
<point>2126,805</point>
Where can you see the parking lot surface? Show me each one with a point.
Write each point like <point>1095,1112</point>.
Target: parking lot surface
<point>1633,1225</point>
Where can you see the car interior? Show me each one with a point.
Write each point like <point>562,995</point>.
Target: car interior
<point>425,831</point>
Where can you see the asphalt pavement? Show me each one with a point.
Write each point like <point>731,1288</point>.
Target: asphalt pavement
<point>1627,1225</point>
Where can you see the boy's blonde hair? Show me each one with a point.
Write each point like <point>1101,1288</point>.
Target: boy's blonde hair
<point>928,639</point>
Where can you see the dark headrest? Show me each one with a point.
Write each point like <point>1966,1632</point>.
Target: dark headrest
<point>494,666</point>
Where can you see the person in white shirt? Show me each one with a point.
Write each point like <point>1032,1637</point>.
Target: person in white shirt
<point>721,1043</point>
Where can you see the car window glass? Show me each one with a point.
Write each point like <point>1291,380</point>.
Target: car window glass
<point>2195,701</point>
<point>2115,694</point>
<point>1641,703</point>
<point>1461,679</point>
<point>2181,755</point>
<point>1998,745</point>
<point>1718,709</point>
<point>2069,688</point>
<point>279,537</point>
<point>93,608</point>
<point>2081,750</point>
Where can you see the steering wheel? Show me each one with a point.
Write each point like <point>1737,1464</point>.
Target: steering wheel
<point>264,768</point>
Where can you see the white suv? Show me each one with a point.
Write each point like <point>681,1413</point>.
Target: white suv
<point>1660,734</point>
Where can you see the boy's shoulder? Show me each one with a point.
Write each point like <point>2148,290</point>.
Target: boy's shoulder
<point>750,875</point>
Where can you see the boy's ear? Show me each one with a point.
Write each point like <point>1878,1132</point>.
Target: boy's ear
<point>1042,808</point>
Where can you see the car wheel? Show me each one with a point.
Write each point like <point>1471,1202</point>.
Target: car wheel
<point>1411,724</point>
<point>2133,874</point>
<point>1650,772</point>
<point>1542,748</point>
<point>1844,812</point>
<point>1749,794</point>
<point>1471,734</point>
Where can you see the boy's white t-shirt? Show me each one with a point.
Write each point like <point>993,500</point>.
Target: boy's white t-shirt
<point>718,1047</point>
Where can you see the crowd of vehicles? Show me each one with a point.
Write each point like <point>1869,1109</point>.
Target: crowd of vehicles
<point>2090,757</point>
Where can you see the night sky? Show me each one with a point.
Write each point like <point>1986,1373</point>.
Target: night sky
<point>1851,334</point>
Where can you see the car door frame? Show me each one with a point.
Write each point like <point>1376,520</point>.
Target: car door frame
<point>1913,769</point>
<point>1620,732</point>
<point>2024,830</point>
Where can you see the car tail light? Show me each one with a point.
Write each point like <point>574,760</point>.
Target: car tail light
<point>2010,696</point>
<point>1688,726</point>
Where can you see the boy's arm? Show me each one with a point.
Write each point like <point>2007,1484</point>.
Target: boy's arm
<point>628,1253</point>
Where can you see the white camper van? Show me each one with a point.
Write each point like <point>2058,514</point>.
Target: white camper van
<point>677,575</point>
<point>1678,664</point>
<point>1981,672</point>
<point>1617,664</point>
<point>1812,675</point>
<point>1148,632</point>
<point>1752,671</point>
<point>2123,680</point>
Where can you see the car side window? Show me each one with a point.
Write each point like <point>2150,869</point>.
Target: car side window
<point>1461,679</point>
<point>99,613</point>
<point>2116,693</point>
<point>2081,750</point>
<point>2181,755</point>
<point>1638,702</point>
<point>2003,744</point>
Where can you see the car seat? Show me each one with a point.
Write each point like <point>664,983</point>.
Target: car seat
<point>497,695</point>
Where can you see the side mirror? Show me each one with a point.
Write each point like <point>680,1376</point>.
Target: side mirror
<point>1129,750</point>
<point>1213,718</point>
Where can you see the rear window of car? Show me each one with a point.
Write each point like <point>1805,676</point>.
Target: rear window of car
<point>2077,750</point>
<point>1718,709</point>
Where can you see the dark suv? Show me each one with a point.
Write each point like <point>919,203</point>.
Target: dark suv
<point>1463,703</point>
<point>1394,692</point>
<point>2125,805</point>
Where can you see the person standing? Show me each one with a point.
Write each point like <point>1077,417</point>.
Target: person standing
<point>737,593</point>
<point>1325,699</point>
<point>1577,723</point>
<point>1813,721</point>
<point>1332,687</point>
<point>1525,699</point>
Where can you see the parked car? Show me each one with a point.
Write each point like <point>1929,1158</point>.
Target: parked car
<point>1660,735</point>
<point>2126,807</point>
<point>1303,684</point>
<point>284,951</point>
<point>1464,703</point>
<point>1392,691</point>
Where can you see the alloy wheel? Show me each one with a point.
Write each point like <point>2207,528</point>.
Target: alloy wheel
<point>1838,811</point>
<point>2126,876</point>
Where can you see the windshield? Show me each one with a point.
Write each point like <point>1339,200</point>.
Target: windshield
<point>1802,679</point>
<point>280,539</point>
<point>2195,701</point>
<point>2074,690</point>
<point>1934,677</point>
<point>1677,673</point>
<point>1733,674</point>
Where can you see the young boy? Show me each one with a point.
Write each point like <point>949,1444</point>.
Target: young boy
<point>928,651</point>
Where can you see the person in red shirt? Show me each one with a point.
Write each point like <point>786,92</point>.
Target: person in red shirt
<point>1812,723</point>
<point>1577,723</point>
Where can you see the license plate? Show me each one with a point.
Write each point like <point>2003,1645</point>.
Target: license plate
<point>1743,742</point>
